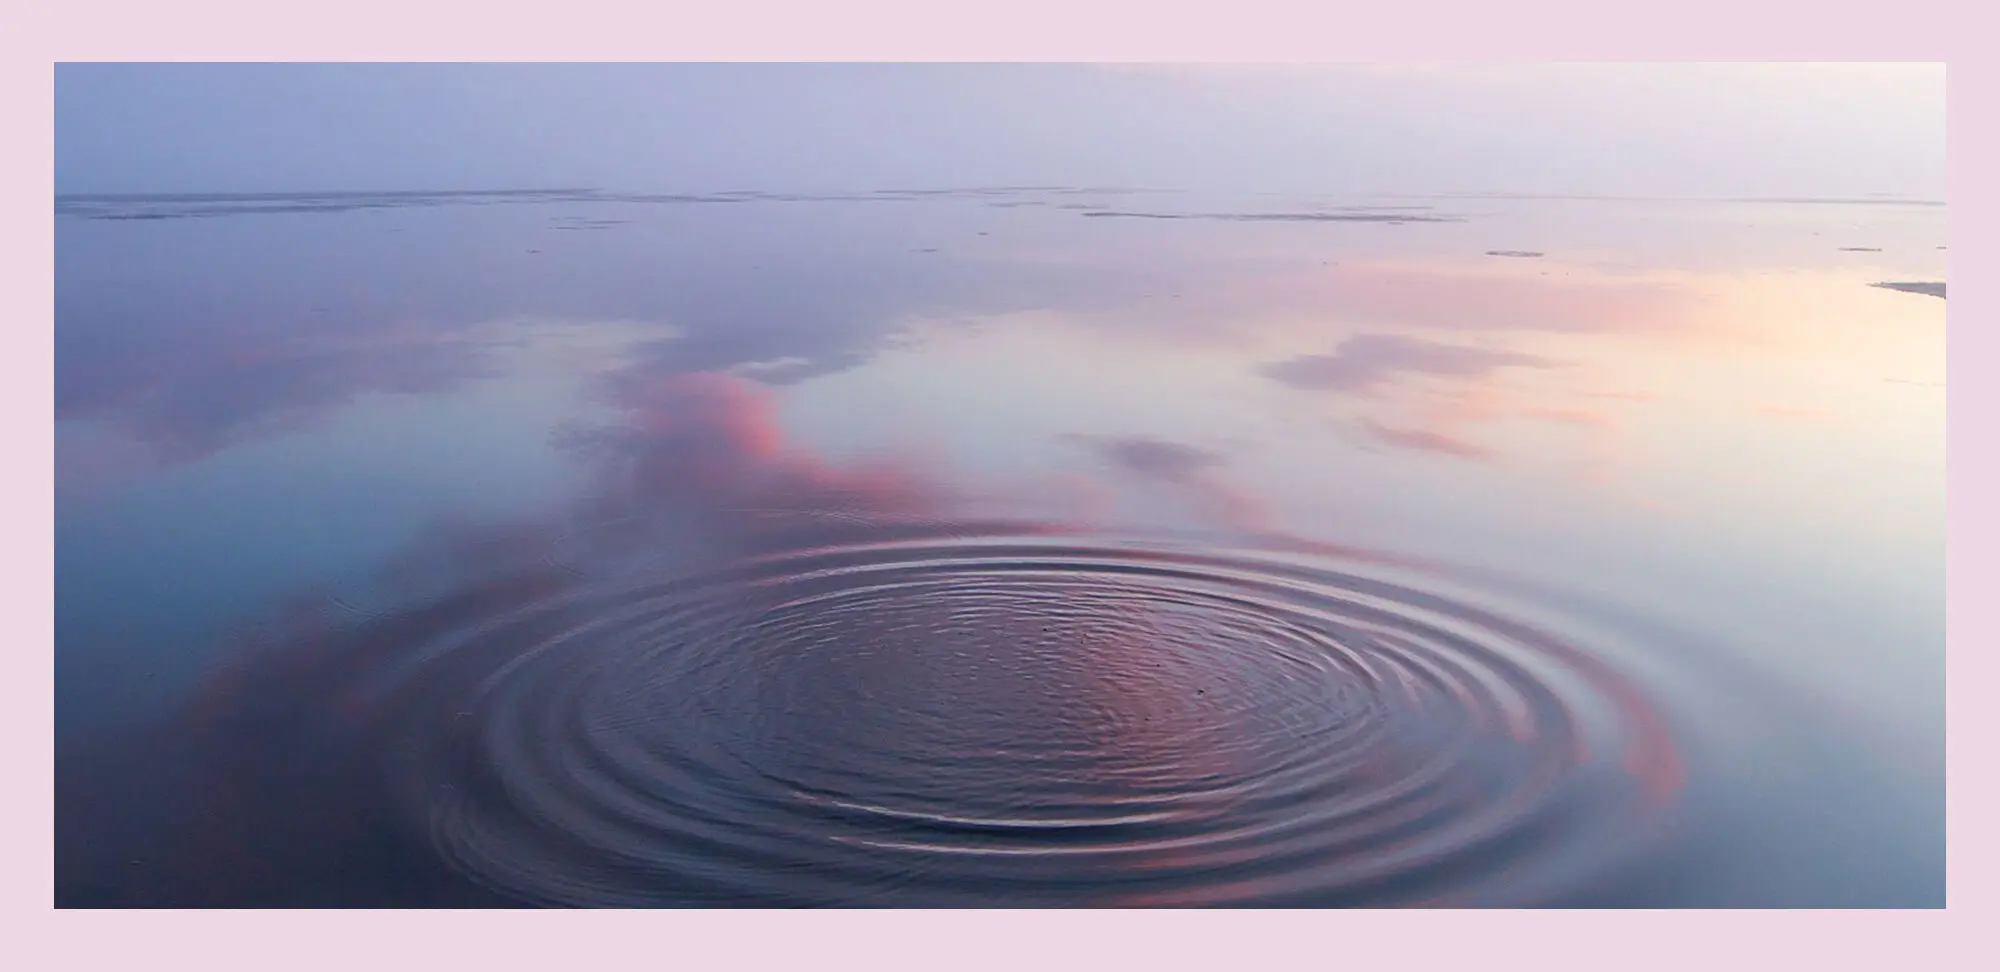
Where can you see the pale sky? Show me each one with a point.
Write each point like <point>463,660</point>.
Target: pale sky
<point>1724,130</point>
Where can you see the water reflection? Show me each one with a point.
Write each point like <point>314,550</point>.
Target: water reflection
<point>1192,471</point>
<point>847,697</point>
<point>194,341</point>
<point>973,547</point>
<point>1363,362</point>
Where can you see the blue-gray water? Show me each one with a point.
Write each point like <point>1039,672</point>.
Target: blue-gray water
<point>1012,546</point>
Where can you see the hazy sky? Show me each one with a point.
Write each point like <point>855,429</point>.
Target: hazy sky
<point>1785,130</point>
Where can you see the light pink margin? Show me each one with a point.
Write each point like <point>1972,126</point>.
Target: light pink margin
<point>34,35</point>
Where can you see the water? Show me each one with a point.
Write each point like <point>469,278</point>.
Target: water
<point>1017,546</point>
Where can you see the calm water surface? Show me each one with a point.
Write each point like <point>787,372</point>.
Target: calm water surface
<point>1022,546</point>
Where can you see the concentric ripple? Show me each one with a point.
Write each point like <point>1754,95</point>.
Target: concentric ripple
<point>1020,721</point>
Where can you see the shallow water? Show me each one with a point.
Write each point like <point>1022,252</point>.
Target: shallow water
<point>1057,546</point>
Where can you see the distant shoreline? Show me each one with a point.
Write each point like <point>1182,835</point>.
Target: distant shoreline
<point>1931,288</point>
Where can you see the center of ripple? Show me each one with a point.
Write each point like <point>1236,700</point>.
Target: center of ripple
<point>1023,698</point>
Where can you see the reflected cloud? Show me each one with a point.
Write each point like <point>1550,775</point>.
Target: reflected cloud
<point>201,400</point>
<point>1170,461</point>
<point>1423,440</point>
<point>1368,361</point>
<point>1190,470</point>
<point>705,452</point>
<point>1454,422</point>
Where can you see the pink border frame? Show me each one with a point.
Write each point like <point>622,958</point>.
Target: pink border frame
<point>37,35</point>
